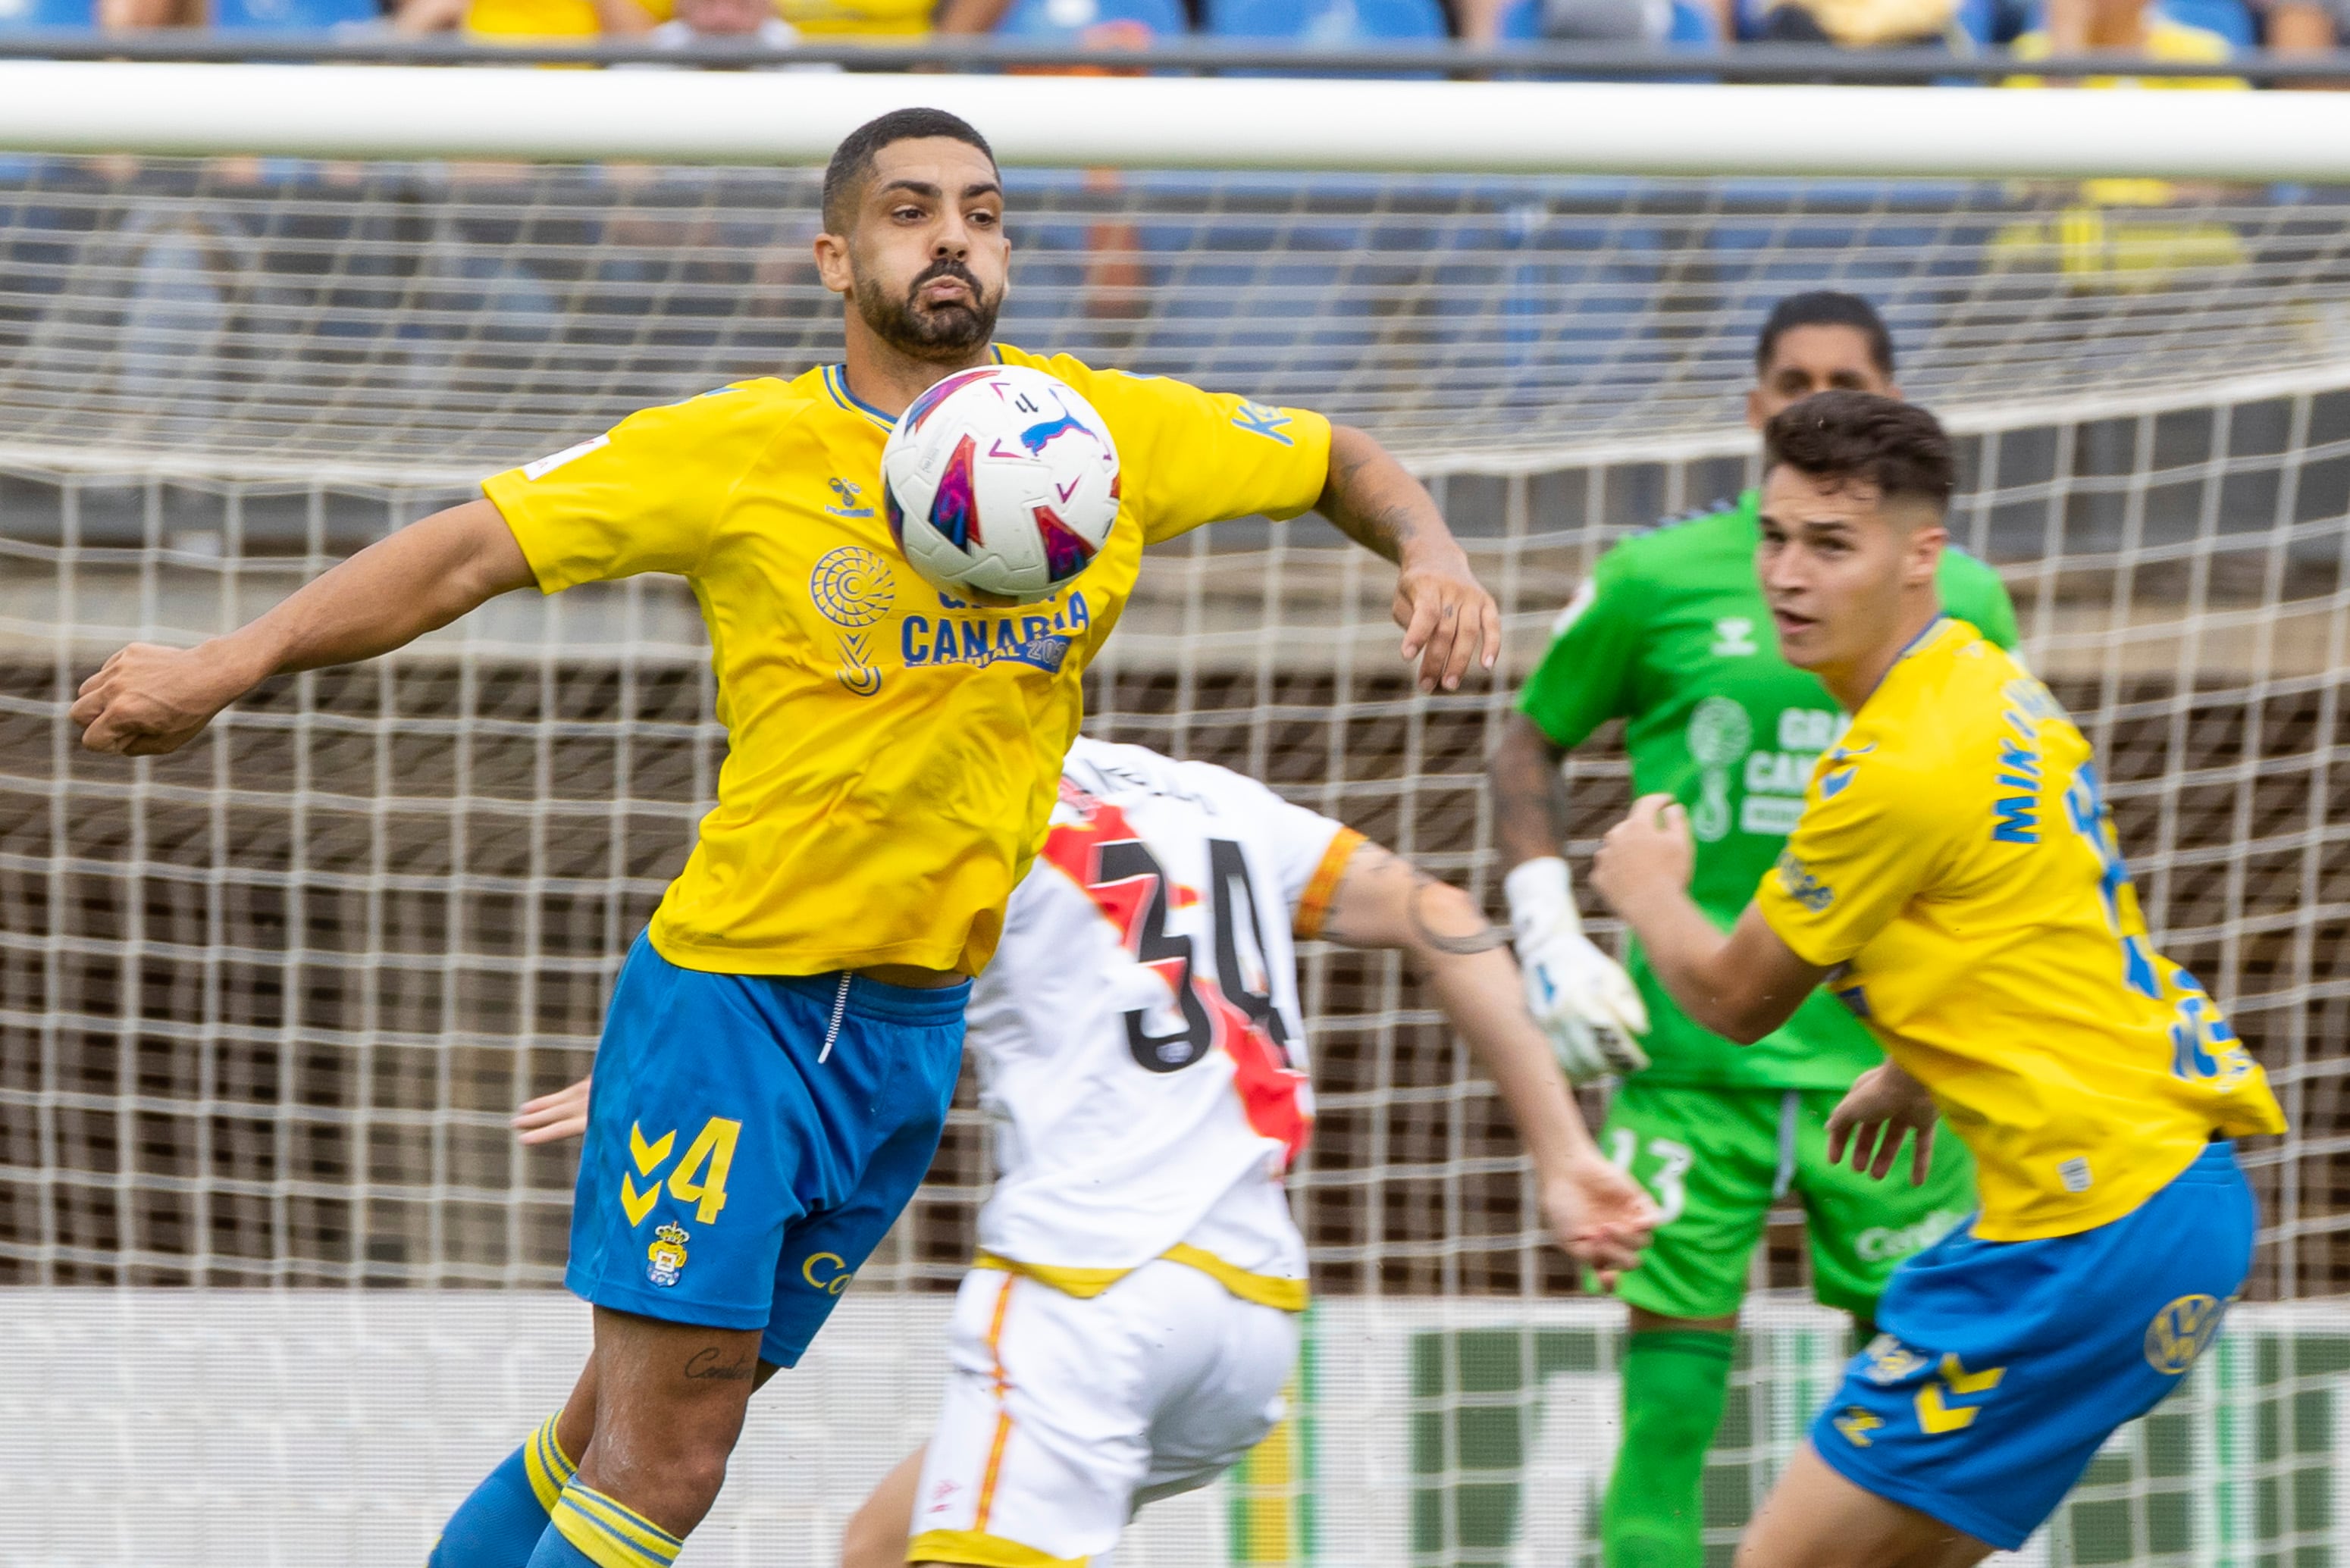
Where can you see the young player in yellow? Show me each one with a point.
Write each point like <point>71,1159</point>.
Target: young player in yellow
<point>1954,879</point>
<point>782,1042</point>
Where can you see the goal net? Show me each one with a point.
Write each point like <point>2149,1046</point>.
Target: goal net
<point>276,1284</point>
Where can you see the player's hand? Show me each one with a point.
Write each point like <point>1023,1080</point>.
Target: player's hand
<point>1650,851</point>
<point>1883,1103</point>
<point>147,700</point>
<point>1448,617</point>
<point>1582,998</point>
<point>1600,1216</point>
<point>551,1118</point>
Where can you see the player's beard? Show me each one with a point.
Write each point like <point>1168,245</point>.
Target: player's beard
<point>940,332</point>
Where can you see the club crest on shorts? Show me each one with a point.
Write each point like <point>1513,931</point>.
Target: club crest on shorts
<point>666,1256</point>
<point>2181,1331</point>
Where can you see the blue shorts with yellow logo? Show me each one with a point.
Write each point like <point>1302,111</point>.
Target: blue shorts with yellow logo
<point>2003,1366</point>
<point>751,1138</point>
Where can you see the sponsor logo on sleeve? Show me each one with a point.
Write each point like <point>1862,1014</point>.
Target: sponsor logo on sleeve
<point>1258,420</point>
<point>1802,887</point>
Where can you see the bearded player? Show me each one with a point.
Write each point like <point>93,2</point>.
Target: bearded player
<point>1672,635</point>
<point>782,1042</point>
<point>1132,1316</point>
<point>1953,879</point>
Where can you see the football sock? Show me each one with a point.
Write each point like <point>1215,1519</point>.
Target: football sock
<point>590,1530</point>
<point>1675,1383</point>
<point>500,1524</point>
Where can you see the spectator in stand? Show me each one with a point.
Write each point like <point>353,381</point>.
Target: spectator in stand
<point>2305,26</point>
<point>1862,24</point>
<point>2124,27</point>
<point>1576,21</point>
<point>748,20</point>
<point>1088,24</point>
<point>527,21</point>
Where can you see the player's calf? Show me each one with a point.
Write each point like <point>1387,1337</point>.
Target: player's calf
<point>877,1532</point>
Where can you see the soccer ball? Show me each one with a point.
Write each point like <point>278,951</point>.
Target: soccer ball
<point>1000,481</point>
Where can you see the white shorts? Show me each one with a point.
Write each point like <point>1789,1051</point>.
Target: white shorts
<point>1062,1417</point>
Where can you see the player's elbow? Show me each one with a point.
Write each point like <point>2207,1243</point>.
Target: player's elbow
<point>1744,1017</point>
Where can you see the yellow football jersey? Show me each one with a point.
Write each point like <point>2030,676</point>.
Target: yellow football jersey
<point>894,754</point>
<point>1956,866</point>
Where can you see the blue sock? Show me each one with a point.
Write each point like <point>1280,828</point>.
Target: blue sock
<point>499,1525</point>
<point>590,1530</point>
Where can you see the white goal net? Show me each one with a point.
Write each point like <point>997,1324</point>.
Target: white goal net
<point>277,1285</point>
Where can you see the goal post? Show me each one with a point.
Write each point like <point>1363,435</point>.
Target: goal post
<point>265,1005</point>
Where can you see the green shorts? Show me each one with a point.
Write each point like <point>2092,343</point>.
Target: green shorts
<point>1715,1159</point>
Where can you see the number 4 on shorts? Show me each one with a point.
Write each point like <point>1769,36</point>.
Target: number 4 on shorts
<point>714,1148</point>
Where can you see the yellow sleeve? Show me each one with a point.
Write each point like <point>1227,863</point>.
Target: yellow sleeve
<point>644,496</point>
<point>1188,457</point>
<point>1871,836</point>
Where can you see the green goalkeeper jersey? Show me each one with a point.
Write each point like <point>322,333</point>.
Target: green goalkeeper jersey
<point>1672,635</point>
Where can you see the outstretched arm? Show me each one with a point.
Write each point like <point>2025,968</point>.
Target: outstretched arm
<point>147,700</point>
<point>1741,986</point>
<point>1599,1214</point>
<point>1448,618</point>
<point>1581,997</point>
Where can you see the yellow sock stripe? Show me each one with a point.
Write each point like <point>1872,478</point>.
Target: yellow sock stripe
<point>609,1534</point>
<point>622,1520</point>
<point>548,1467</point>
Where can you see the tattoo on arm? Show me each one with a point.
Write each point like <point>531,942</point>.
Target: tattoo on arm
<point>1530,798</point>
<point>1483,940</point>
<point>1370,864</point>
<point>1383,525</point>
<point>705,1364</point>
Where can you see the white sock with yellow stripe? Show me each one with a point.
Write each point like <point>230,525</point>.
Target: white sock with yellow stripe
<point>589,1528</point>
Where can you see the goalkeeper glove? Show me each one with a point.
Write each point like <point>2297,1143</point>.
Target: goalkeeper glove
<point>1581,997</point>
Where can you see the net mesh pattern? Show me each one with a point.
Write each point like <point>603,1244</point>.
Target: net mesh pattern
<point>265,1005</point>
<point>452,315</point>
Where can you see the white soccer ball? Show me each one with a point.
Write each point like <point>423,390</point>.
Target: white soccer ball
<point>1000,481</point>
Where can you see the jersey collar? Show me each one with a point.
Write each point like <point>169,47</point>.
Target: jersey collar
<point>1922,639</point>
<point>835,381</point>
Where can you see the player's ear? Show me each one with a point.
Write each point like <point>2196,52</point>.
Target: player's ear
<point>832,263</point>
<point>1924,555</point>
<point>1755,418</point>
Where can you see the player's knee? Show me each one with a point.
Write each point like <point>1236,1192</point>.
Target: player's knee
<point>674,1482</point>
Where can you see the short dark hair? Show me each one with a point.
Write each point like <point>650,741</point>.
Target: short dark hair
<point>1823,307</point>
<point>853,159</point>
<point>1897,447</point>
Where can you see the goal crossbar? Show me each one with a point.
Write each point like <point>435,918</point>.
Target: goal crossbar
<point>1525,128</point>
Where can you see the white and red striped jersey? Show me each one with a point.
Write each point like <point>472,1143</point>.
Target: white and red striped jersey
<point>1141,1049</point>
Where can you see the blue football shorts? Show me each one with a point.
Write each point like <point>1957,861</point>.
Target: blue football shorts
<point>2003,1367</point>
<point>751,1138</point>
